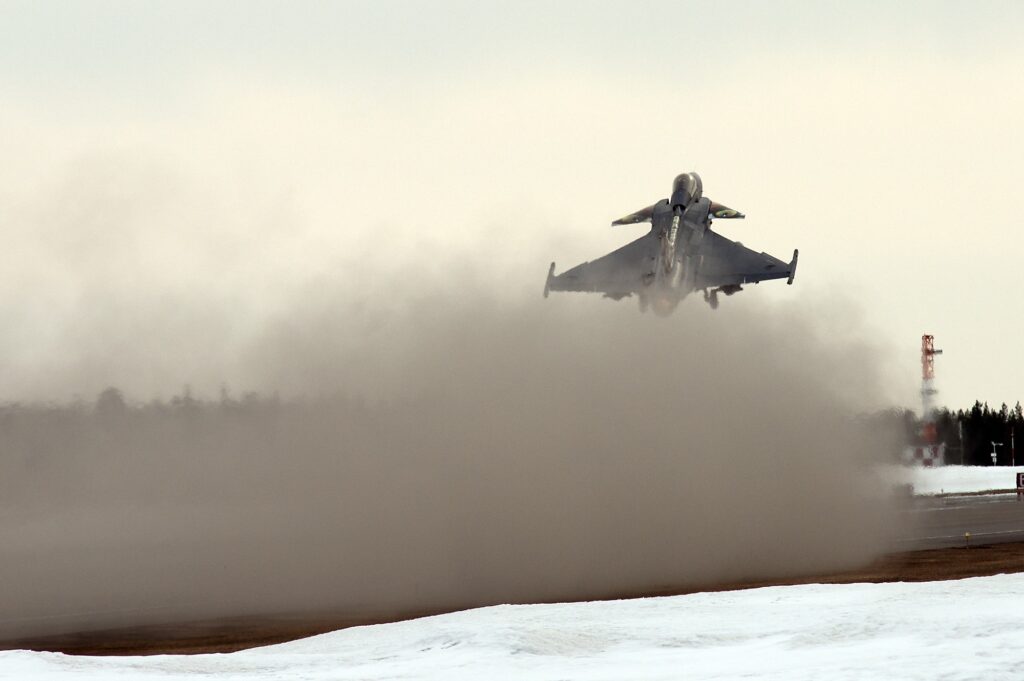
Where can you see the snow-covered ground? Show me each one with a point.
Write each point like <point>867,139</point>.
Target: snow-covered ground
<point>967,629</point>
<point>955,478</point>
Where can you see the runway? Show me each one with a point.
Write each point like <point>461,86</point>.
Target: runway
<point>943,522</point>
<point>995,522</point>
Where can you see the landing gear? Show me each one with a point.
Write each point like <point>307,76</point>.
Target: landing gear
<point>730,289</point>
<point>711,297</point>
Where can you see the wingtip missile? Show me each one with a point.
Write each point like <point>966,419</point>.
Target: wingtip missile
<point>792,266</point>
<point>547,282</point>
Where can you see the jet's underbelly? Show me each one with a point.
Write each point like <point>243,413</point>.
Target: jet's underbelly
<point>674,235</point>
<point>668,245</point>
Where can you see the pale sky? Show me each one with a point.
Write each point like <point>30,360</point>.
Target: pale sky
<point>169,165</point>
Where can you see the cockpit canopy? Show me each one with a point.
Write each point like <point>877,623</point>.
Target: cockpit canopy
<point>686,188</point>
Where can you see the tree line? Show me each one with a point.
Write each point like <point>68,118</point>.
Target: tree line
<point>968,434</point>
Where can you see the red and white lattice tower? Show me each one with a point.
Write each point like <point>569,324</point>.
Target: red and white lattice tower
<point>928,390</point>
<point>930,452</point>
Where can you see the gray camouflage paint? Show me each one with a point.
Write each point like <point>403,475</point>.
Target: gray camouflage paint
<point>679,255</point>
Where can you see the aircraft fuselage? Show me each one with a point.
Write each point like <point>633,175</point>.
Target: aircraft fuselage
<point>680,230</point>
<point>679,254</point>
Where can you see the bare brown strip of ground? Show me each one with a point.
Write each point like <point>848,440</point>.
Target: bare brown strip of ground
<point>232,634</point>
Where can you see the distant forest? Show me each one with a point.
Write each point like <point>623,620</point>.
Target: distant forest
<point>968,434</point>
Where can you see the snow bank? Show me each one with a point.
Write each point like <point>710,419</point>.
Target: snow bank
<point>955,478</point>
<point>967,629</point>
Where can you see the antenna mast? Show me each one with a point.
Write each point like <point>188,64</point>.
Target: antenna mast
<point>928,391</point>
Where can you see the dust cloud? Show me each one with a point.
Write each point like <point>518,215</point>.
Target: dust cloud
<point>461,450</point>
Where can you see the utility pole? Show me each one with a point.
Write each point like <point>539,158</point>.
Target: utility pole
<point>994,455</point>
<point>960,432</point>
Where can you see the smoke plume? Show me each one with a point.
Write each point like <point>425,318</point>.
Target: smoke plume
<point>461,450</point>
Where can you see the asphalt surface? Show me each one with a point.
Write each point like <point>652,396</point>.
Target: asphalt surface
<point>945,522</point>
<point>930,548</point>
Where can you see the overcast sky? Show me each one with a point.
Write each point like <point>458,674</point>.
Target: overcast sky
<point>177,174</point>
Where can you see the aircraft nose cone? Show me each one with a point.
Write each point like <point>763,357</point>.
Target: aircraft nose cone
<point>686,188</point>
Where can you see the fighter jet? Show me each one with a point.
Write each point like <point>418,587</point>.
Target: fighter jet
<point>680,254</point>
